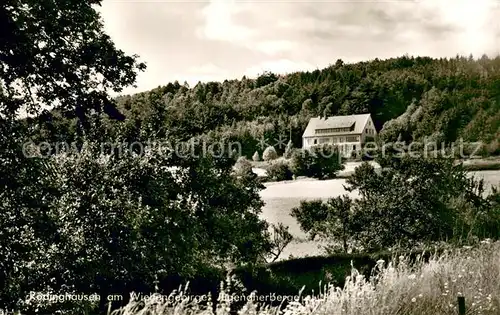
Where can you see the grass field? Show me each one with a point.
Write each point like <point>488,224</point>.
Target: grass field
<point>281,197</point>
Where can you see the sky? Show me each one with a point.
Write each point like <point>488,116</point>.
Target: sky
<point>222,39</point>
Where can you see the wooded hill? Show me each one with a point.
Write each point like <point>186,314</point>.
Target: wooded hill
<point>410,97</point>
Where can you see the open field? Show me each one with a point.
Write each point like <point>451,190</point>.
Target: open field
<point>281,197</point>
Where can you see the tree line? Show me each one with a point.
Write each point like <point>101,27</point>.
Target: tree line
<point>409,98</point>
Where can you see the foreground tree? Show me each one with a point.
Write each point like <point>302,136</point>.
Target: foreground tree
<point>52,54</point>
<point>330,220</point>
<point>93,221</point>
<point>55,53</point>
<point>281,237</point>
<point>415,200</point>
<point>412,202</point>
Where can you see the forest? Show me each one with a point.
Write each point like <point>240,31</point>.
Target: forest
<point>413,98</point>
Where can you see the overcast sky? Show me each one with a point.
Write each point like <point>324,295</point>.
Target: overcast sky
<point>215,40</point>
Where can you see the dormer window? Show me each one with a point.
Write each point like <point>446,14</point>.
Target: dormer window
<point>350,128</point>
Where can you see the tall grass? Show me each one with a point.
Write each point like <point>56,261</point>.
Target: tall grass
<point>424,288</point>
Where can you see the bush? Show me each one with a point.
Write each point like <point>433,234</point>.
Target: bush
<point>321,162</point>
<point>256,156</point>
<point>269,154</point>
<point>493,148</point>
<point>242,166</point>
<point>279,171</point>
<point>301,162</point>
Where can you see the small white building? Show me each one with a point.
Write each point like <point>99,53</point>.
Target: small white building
<point>347,132</point>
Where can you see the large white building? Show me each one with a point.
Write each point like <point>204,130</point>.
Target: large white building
<point>347,132</point>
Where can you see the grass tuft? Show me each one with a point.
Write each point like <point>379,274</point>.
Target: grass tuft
<point>394,288</point>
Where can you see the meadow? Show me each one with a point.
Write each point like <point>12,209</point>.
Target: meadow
<point>423,288</point>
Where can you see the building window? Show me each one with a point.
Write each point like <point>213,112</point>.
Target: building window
<point>331,130</point>
<point>354,147</point>
<point>315,141</point>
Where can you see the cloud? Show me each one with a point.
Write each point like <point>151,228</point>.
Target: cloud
<point>274,47</point>
<point>220,24</point>
<point>205,73</point>
<point>476,23</point>
<point>206,68</point>
<point>228,39</point>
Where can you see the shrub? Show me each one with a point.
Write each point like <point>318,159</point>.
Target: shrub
<point>301,161</point>
<point>320,162</point>
<point>242,166</point>
<point>279,171</point>
<point>269,154</point>
<point>493,148</point>
<point>411,202</point>
<point>256,156</point>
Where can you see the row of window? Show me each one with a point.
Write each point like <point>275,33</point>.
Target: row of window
<point>345,147</point>
<point>331,130</point>
<point>333,140</point>
<point>369,131</point>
